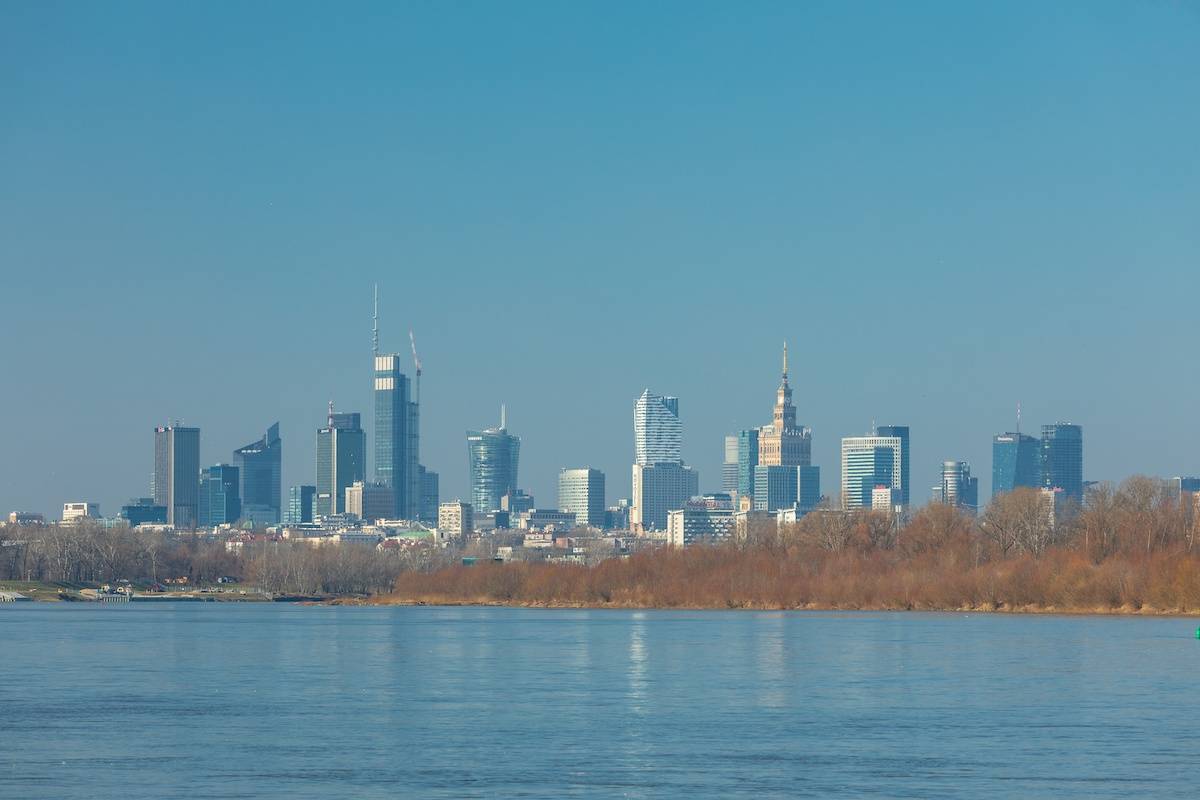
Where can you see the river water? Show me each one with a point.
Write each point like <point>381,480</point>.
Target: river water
<point>273,700</point>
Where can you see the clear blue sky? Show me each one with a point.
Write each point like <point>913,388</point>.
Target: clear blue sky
<point>945,207</point>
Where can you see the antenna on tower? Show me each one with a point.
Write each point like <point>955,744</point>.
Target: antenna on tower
<point>503,417</point>
<point>331,413</point>
<point>1018,416</point>
<point>416,363</point>
<point>375,325</point>
<point>785,358</point>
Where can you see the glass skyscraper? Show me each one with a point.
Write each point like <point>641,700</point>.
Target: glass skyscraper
<point>300,504</point>
<point>900,432</point>
<point>341,460</point>
<point>1016,462</point>
<point>867,462</point>
<point>958,488</point>
<point>493,456</point>
<point>657,432</point>
<point>259,464</point>
<point>220,503</point>
<point>747,461</point>
<point>396,436</point>
<point>1062,459</point>
<point>177,474</point>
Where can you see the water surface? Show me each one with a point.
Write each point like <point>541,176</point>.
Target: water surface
<point>272,700</point>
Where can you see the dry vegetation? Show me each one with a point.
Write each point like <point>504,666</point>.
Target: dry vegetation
<point>1129,549</point>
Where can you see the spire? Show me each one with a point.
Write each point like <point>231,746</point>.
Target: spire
<point>1018,416</point>
<point>785,359</point>
<point>375,325</point>
<point>503,415</point>
<point>331,413</point>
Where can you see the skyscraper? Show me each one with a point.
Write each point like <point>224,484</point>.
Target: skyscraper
<point>219,498</point>
<point>867,462</point>
<point>657,432</point>
<point>429,496</point>
<point>808,488</point>
<point>1016,462</point>
<point>581,492</point>
<point>729,467</point>
<point>259,465</point>
<point>958,488</point>
<point>783,443</point>
<point>658,489</point>
<point>1062,459</point>
<point>900,432</point>
<point>395,444</point>
<point>775,487</point>
<point>177,474</point>
<point>341,460</point>
<point>300,505</point>
<point>747,461</point>
<point>493,457</point>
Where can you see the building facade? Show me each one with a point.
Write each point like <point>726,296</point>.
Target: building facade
<point>301,505</point>
<point>775,487</point>
<point>747,444</point>
<point>900,432</point>
<point>867,462</point>
<point>455,519</point>
<point>1062,459</point>
<point>657,431</point>
<point>581,492</point>
<point>260,465</point>
<point>74,513</point>
<point>657,489</point>
<point>220,495</point>
<point>397,438</point>
<point>1016,462</point>
<point>429,497</point>
<point>370,501</point>
<point>783,443</point>
<point>143,511</point>
<point>958,488</point>
<point>493,457</point>
<point>702,520</point>
<point>177,474</point>
<point>341,460</point>
<point>729,466</point>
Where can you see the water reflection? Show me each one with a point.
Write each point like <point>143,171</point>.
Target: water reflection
<point>637,663</point>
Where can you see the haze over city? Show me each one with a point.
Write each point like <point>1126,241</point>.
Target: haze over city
<point>194,213</point>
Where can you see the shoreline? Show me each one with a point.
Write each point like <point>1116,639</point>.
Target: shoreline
<point>1124,611</point>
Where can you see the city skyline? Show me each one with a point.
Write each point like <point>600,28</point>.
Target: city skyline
<point>961,238</point>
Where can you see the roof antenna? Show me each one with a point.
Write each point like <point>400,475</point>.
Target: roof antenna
<point>375,326</point>
<point>416,362</point>
<point>330,413</point>
<point>503,416</point>
<point>1018,416</point>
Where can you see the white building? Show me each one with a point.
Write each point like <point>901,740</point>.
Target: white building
<point>581,492</point>
<point>77,512</point>
<point>657,490</point>
<point>657,432</point>
<point>867,462</point>
<point>887,498</point>
<point>455,519</point>
<point>706,520</point>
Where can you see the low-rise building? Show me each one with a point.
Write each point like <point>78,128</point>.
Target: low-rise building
<point>702,520</point>
<point>369,501</point>
<point>74,513</point>
<point>455,519</point>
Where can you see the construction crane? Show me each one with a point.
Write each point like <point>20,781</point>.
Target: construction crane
<point>416,363</point>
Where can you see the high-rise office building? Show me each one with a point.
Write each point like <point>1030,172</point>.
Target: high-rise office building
<point>219,496</point>
<point>747,443</point>
<point>657,432</point>
<point>370,501</point>
<point>429,496</point>
<point>260,466</point>
<point>867,462</point>
<point>1062,459</point>
<point>177,474</point>
<point>657,489</point>
<point>581,492</point>
<point>396,436</point>
<point>341,460</point>
<point>808,488</point>
<point>900,432</point>
<point>493,456</point>
<point>958,488</point>
<point>775,487</point>
<point>301,502</point>
<point>783,443</point>
<point>729,467</point>
<point>1016,462</point>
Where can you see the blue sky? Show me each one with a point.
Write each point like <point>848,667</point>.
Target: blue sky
<point>944,207</point>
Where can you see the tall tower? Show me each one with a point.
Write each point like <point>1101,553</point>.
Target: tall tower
<point>259,466</point>
<point>493,456</point>
<point>783,443</point>
<point>177,474</point>
<point>657,432</point>
<point>1062,459</point>
<point>397,437</point>
<point>341,460</point>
